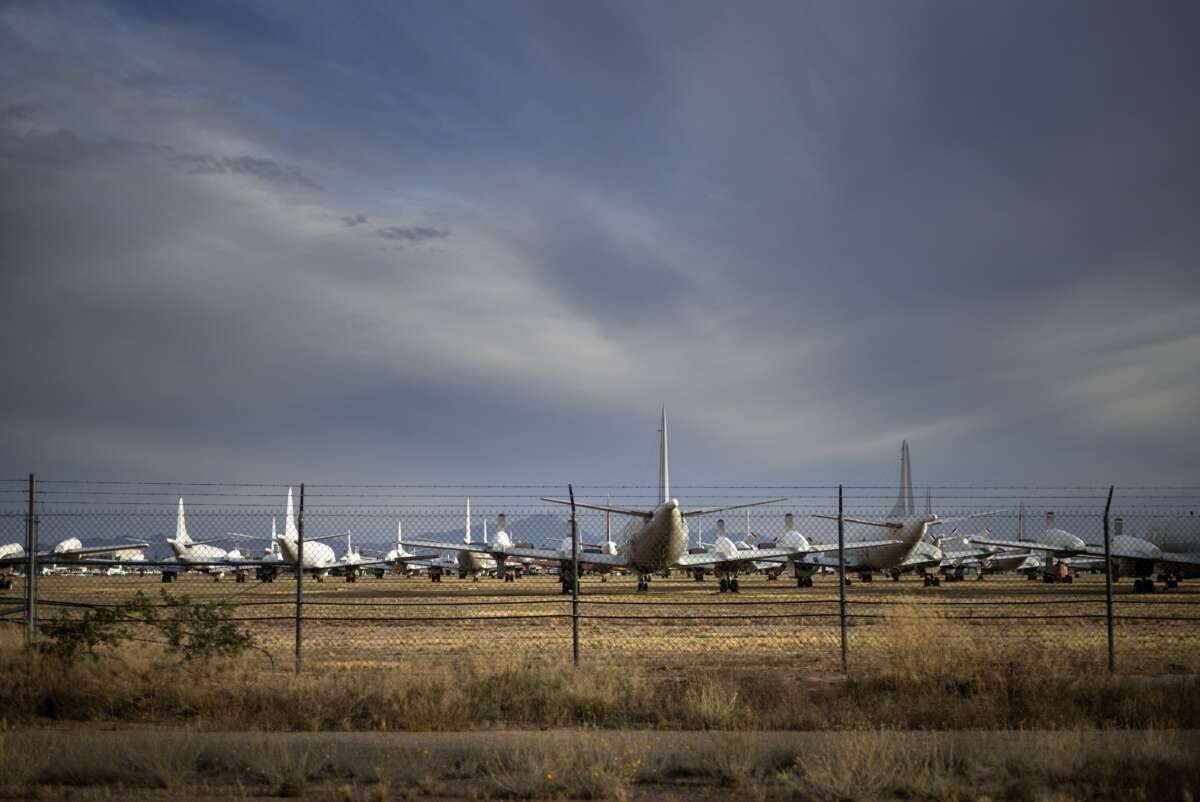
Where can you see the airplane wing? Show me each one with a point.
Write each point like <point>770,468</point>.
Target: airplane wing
<point>89,550</point>
<point>1169,557</point>
<point>585,557</point>
<point>773,555</point>
<point>601,507</point>
<point>746,555</point>
<point>710,510</point>
<point>1021,544</point>
<point>881,524</point>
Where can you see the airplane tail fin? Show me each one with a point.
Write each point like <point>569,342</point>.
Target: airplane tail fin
<point>904,500</point>
<point>290,532</point>
<point>181,534</point>
<point>664,484</point>
<point>399,535</point>
<point>720,528</point>
<point>502,523</point>
<point>467,534</point>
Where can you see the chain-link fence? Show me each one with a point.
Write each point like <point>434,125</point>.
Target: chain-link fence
<point>962,570</point>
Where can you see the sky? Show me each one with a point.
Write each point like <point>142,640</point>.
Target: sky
<point>488,241</point>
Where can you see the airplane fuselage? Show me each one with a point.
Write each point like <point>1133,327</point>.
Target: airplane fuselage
<point>877,558</point>
<point>655,543</point>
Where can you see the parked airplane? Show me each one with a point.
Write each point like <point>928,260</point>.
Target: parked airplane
<point>1132,556</point>
<point>319,559</point>
<point>13,554</point>
<point>196,555</point>
<point>653,541</point>
<point>908,529</point>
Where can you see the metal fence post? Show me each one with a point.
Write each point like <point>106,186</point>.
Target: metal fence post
<point>842,575</point>
<point>31,567</point>
<point>574,580</point>
<point>299,575</point>
<point>1112,656</point>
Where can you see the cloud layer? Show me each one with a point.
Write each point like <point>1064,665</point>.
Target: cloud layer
<point>486,242</point>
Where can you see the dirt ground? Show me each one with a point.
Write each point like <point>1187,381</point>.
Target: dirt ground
<point>679,624</point>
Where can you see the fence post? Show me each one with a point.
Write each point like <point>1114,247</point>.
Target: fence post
<point>299,575</point>
<point>574,580</point>
<point>842,575</point>
<point>31,566</point>
<point>1112,656</point>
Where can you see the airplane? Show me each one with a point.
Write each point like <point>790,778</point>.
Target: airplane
<point>653,540</point>
<point>904,551</point>
<point>13,556</point>
<point>400,558</point>
<point>1131,556</point>
<point>196,555</point>
<point>319,559</point>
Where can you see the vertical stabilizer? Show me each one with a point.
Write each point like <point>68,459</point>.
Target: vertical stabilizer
<point>904,500</point>
<point>700,533</point>
<point>290,533</point>
<point>467,534</point>
<point>1049,521</point>
<point>274,531</point>
<point>928,501</point>
<point>608,525</point>
<point>1021,521</point>
<point>181,535</point>
<point>485,530</point>
<point>720,528</point>
<point>399,535</point>
<point>664,484</point>
<point>501,523</point>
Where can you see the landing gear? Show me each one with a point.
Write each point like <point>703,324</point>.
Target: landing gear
<point>239,577</point>
<point>1143,586</point>
<point>352,576</point>
<point>1172,582</point>
<point>932,581</point>
<point>643,584</point>
<point>5,583</point>
<point>604,577</point>
<point>168,577</point>
<point>698,575</point>
<point>804,582</point>
<point>435,574</point>
<point>896,576</point>
<point>865,576</point>
<point>216,577</point>
<point>379,573</point>
<point>264,574</point>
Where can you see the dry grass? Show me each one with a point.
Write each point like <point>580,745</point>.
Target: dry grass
<point>857,765</point>
<point>916,673</point>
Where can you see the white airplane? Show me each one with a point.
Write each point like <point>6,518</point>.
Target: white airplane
<point>653,541</point>
<point>1132,556</point>
<point>319,559</point>
<point>196,555</point>
<point>400,558</point>
<point>908,531</point>
<point>476,562</point>
<point>13,554</point>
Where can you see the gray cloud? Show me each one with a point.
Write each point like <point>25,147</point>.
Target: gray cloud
<point>414,235</point>
<point>830,227</point>
<point>263,169</point>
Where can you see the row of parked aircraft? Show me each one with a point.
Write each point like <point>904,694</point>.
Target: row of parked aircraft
<point>655,541</point>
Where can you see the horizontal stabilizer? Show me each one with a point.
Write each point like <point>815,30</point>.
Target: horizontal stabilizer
<point>710,510</point>
<point>881,524</point>
<point>602,508</point>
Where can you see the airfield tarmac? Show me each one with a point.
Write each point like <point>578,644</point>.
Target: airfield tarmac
<point>679,624</point>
